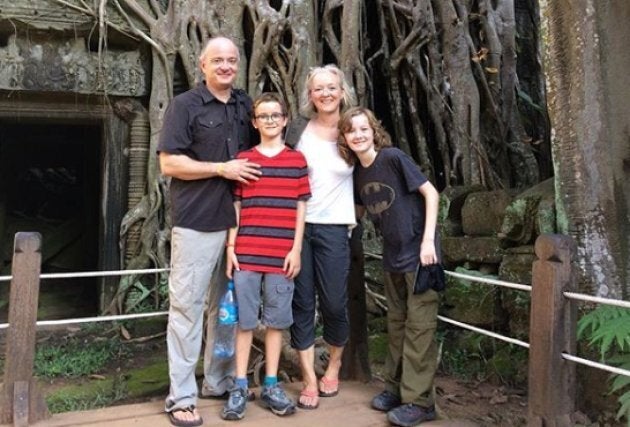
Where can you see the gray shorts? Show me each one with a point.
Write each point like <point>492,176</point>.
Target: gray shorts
<point>277,294</point>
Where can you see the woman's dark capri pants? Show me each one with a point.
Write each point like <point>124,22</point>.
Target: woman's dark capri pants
<point>325,266</point>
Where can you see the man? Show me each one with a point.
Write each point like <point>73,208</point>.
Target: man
<point>203,130</point>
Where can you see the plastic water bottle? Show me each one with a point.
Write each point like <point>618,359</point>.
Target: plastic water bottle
<point>226,325</point>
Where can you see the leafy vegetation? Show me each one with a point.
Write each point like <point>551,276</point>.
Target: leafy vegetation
<point>474,357</point>
<point>607,329</point>
<point>75,357</point>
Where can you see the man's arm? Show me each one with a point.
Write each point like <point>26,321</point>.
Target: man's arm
<point>231,259</point>
<point>183,167</point>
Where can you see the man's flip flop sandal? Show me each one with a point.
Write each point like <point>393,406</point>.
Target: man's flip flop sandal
<point>184,423</point>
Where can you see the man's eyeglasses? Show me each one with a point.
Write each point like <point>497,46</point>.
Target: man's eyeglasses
<point>220,61</point>
<point>274,117</point>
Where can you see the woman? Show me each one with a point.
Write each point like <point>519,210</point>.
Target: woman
<point>329,217</point>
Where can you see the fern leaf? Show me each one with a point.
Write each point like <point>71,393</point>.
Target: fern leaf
<point>615,330</point>
<point>619,382</point>
<point>600,317</point>
<point>624,410</point>
<point>607,329</point>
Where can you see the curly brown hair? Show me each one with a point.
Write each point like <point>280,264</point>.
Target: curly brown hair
<point>381,136</point>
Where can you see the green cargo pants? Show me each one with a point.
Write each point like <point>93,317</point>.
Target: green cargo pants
<point>412,357</point>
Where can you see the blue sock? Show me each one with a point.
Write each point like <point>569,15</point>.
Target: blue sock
<point>241,383</point>
<point>271,381</point>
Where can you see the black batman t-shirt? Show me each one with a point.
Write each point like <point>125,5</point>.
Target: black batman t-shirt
<point>388,189</point>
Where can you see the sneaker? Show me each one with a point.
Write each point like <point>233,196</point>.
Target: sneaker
<point>409,415</point>
<point>276,400</point>
<point>385,401</point>
<point>250,396</point>
<point>234,408</point>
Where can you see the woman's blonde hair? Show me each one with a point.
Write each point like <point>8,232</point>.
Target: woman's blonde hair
<point>307,108</point>
<point>381,136</point>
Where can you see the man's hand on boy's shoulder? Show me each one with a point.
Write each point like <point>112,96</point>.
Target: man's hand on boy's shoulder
<point>241,170</point>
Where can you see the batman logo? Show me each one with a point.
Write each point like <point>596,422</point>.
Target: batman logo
<point>377,197</point>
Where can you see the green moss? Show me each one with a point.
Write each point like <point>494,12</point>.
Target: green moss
<point>89,395</point>
<point>149,380</point>
<point>443,208</point>
<point>562,220</point>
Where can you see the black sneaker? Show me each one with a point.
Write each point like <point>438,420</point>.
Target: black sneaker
<point>276,400</point>
<point>234,408</point>
<point>385,401</point>
<point>409,415</point>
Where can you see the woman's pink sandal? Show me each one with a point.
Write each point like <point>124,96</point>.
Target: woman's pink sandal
<point>325,386</point>
<point>310,394</point>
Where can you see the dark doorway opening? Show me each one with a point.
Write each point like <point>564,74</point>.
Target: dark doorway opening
<point>50,181</point>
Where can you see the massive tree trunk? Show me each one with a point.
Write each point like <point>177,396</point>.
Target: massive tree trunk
<point>443,76</point>
<point>440,74</point>
<point>589,103</point>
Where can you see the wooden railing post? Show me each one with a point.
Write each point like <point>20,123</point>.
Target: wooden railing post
<point>21,403</point>
<point>552,332</point>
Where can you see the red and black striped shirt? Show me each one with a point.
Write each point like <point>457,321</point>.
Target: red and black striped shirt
<point>269,209</point>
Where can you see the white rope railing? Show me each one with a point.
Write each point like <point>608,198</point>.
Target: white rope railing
<point>484,280</point>
<point>599,300</point>
<point>592,364</point>
<point>101,273</point>
<point>94,274</point>
<point>569,295</point>
<point>484,332</point>
<point>489,281</point>
<point>93,319</point>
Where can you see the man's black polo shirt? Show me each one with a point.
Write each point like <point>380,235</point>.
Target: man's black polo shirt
<point>198,125</point>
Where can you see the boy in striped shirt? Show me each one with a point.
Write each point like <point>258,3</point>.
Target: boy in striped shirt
<point>263,252</point>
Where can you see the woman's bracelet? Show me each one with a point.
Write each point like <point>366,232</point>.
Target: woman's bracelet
<point>220,169</point>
